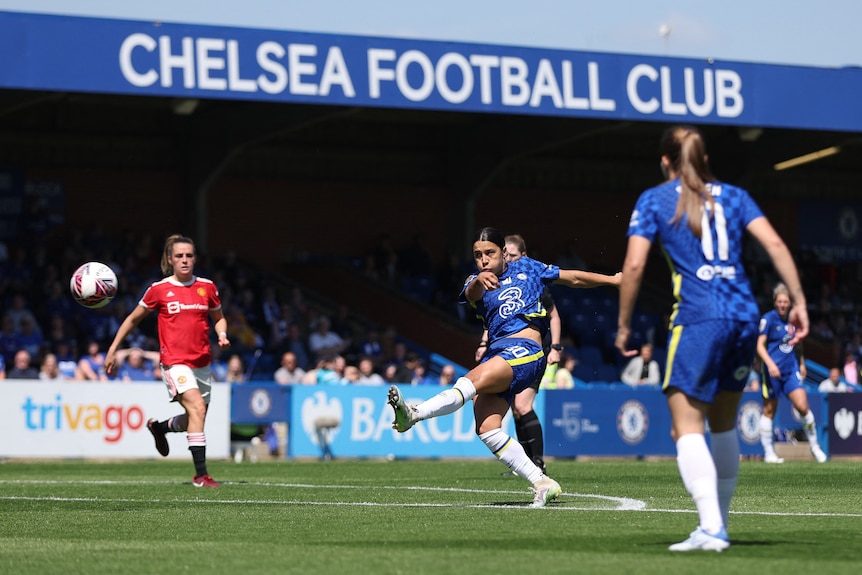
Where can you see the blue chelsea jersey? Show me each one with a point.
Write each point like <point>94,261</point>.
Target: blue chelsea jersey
<point>517,303</point>
<point>778,334</point>
<point>707,273</point>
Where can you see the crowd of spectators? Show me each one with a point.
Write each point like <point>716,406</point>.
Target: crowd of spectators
<point>44,334</point>
<point>272,320</point>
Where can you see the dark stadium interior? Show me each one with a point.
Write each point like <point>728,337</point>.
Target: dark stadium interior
<point>342,175</point>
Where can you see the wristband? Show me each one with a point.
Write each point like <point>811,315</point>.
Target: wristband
<point>557,346</point>
<point>483,343</point>
<point>222,334</point>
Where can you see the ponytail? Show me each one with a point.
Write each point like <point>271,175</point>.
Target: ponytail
<point>686,150</point>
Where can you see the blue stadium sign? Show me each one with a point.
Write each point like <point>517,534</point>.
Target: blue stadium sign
<point>44,52</point>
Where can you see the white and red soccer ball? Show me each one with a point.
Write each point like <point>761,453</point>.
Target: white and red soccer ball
<point>93,285</point>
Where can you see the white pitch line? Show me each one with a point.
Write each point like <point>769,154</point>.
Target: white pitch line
<point>622,503</point>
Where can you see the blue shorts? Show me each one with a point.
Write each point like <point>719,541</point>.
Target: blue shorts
<point>710,356</point>
<point>526,359</point>
<point>775,387</point>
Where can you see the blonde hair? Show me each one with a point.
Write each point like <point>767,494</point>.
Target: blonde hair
<point>685,149</point>
<point>166,265</point>
<point>779,290</point>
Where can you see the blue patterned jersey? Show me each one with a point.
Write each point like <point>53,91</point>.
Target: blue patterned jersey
<point>778,335</point>
<point>517,303</point>
<point>707,273</point>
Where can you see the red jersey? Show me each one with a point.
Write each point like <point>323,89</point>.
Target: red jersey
<point>183,319</point>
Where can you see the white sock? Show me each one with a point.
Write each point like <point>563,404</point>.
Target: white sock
<point>810,428</point>
<point>699,477</point>
<point>766,436</point>
<point>511,453</point>
<point>448,401</point>
<point>725,454</point>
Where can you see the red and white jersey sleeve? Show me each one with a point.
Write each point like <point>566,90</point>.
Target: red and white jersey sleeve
<point>183,319</point>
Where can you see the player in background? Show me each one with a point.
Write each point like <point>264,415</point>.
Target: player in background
<point>185,304</point>
<point>701,223</point>
<point>782,372</point>
<point>528,427</point>
<point>507,297</point>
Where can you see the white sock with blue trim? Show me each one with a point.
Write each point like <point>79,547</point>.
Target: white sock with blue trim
<point>510,452</point>
<point>447,401</point>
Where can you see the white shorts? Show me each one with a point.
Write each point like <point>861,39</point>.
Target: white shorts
<point>181,378</point>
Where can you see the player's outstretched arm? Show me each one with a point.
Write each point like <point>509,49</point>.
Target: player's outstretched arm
<point>583,279</point>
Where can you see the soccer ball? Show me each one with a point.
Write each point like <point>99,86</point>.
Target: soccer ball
<point>93,285</point>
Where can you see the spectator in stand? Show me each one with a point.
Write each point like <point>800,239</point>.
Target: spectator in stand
<point>57,301</point>
<point>22,368</point>
<point>854,346</point>
<point>324,343</point>
<point>138,365</point>
<point>218,365</point>
<point>352,375</point>
<point>270,308</point>
<point>371,347</point>
<point>66,359</point>
<point>92,365</point>
<point>405,371</point>
<point>420,376</point>
<point>50,370</point>
<point>851,368</point>
<point>19,311</point>
<point>58,330</point>
<point>330,371</point>
<point>289,373</point>
<point>642,369</point>
<point>2,367</point>
<point>296,343</point>
<point>30,337</point>
<point>834,383</point>
<point>753,382</point>
<point>559,375</point>
<point>367,375</point>
<point>10,341</point>
<point>821,330</point>
<point>235,369</point>
<point>279,329</point>
<point>341,324</point>
<point>241,333</point>
<point>447,375</point>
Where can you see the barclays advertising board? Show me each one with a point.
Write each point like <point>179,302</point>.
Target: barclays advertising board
<point>356,421</point>
<point>43,52</point>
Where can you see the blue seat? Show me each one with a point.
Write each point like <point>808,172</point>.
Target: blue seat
<point>590,355</point>
<point>607,373</point>
<point>585,372</point>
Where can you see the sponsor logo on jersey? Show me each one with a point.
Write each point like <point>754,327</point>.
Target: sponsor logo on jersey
<point>708,272</point>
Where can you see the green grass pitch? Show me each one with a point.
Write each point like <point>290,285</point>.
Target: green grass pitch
<point>415,517</point>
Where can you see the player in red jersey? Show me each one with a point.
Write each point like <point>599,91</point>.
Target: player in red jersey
<point>185,303</point>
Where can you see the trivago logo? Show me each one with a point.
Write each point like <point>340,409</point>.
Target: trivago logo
<point>112,420</point>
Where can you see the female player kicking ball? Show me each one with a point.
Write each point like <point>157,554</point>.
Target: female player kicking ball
<point>185,304</point>
<point>508,298</point>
